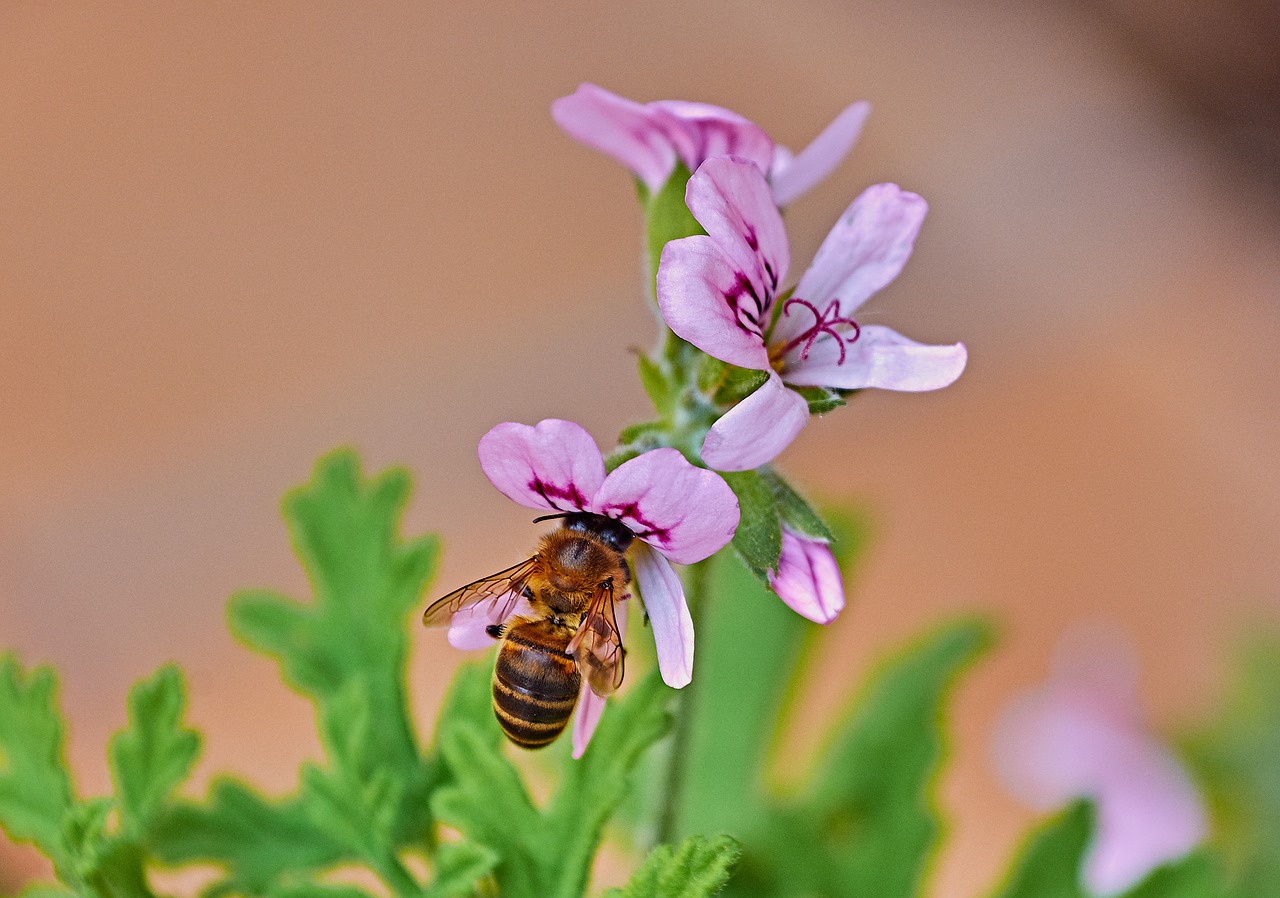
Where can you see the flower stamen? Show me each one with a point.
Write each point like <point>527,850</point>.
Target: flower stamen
<point>829,321</point>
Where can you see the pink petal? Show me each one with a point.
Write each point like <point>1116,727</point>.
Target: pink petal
<point>757,429</point>
<point>663,598</point>
<point>467,628</point>
<point>617,127</point>
<point>793,176</point>
<point>686,513</point>
<point>553,465</point>
<point>731,200</point>
<point>585,719</point>
<point>808,578</point>
<point>879,357</point>
<point>707,301</point>
<point>864,252</point>
<point>700,131</point>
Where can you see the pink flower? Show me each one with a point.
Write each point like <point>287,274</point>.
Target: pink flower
<point>678,513</point>
<point>718,292</point>
<point>649,138</point>
<point>808,578</point>
<point>1082,735</point>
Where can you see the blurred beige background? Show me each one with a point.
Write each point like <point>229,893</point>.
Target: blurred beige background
<point>234,236</point>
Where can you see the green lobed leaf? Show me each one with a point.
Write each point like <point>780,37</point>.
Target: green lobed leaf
<point>486,801</point>
<point>697,868</point>
<point>758,539</point>
<point>35,790</point>
<point>347,649</point>
<point>155,753</point>
<point>459,867</point>
<point>1235,759</point>
<point>257,841</point>
<point>548,854</point>
<point>101,863</point>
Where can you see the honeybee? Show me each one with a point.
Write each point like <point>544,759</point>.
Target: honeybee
<point>569,583</point>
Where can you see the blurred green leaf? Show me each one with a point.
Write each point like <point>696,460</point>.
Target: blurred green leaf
<point>154,754</point>
<point>35,791</point>
<point>1051,864</point>
<point>547,854</point>
<point>45,890</point>
<point>697,868</point>
<point>737,698</point>
<point>255,840</point>
<point>1236,759</point>
<point>758,539</point>
<point>1198,875</point>
<point>865,823</point>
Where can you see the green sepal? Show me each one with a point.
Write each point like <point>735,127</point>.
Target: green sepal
<point>697,868</point>
<point>758,539</point>
<point>795,512</point>
<point>35,791</point>
<point>667,217</point>
<point>657,384</point>
<point>820,399</point>
<point>736,384</point>
<point>155,753</point>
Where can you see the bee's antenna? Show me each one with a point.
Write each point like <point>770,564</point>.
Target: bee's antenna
<point>551,517</point>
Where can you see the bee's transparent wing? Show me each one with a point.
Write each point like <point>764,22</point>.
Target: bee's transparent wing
<point>501,590</point>
<point>597,646</point>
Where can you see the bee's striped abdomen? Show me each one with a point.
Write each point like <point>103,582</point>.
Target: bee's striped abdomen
<point>535,684</point>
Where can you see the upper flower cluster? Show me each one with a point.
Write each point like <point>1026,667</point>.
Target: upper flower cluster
<point>650,138</point>
<point>724,291</point>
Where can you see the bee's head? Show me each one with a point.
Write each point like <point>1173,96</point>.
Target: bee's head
<point>613,533</point>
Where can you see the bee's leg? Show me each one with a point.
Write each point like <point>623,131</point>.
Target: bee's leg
<point>495,630</point>
<point>626,571</point>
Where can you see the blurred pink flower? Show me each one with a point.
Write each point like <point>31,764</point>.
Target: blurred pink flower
<point>808,578</point>
<point>1081,735</point>
<point>649,138</point>
<point>718,292</point>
